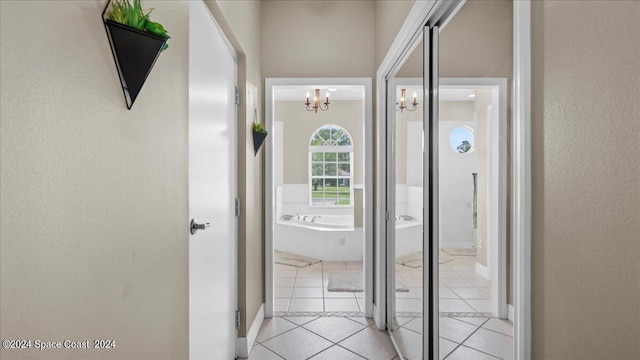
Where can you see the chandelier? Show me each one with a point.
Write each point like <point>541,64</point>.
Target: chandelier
<point>402,105</point>
<point>316,102</point>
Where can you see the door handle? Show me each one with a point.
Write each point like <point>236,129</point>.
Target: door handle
<point>195,226</point>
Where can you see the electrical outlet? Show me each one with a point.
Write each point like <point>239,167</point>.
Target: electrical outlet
<point>342,241</point>
<point>480,244</point>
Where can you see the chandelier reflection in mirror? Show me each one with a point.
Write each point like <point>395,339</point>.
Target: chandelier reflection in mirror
<point>402,105</point>
<point>316,102</point>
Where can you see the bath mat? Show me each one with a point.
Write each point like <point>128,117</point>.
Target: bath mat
<point>351,281</point>
<point>415,260</point>
<point>296,260</point>
<point>460,252</point>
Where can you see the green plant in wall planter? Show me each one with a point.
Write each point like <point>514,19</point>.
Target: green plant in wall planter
<point>259,135</point>
<point>136,43</point>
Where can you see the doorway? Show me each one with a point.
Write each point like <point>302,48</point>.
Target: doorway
<point>318,241</point>
<point>212,189</point>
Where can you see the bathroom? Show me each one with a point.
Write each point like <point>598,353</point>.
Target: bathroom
<point>318,173</point>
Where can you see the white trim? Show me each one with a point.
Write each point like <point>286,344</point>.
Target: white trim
<point>380,296</point>
<point>269,199</point>
<point>395,345</point>
<point>368,184</point>
<point>401,48</point>
<point>245,344</point>
<point>330,148</point>
<point>431,196</point>
<point>497,184</point>
<point>510,313</point>
<point>482,271</point>
<point>522,177</point>
<point>390,235</point>
<point>496,187</point>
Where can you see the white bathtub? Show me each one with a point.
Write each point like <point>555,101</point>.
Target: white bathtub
<point>320,222</point>
<point>326,237</point>
<point>334,237</point>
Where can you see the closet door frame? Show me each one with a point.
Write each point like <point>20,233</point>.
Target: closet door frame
<point>437,13</point>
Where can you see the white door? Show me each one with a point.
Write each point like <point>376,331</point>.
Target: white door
<point>212,189</point>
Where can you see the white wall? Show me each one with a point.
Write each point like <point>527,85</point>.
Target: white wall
<point>456,188</point>
<point>94,211</point>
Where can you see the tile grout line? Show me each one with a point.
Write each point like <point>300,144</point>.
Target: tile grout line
<point>342,347</point>
<point>269,350</point>
<point>465,339</point>
<point>497,332</point>
<point>275,336</point>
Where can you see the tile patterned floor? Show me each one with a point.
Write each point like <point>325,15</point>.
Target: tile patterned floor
<point>321,338</point>
<point>305,290</point>
<point>461,289</point>
<point>338,338</point>
<point>460,338</point>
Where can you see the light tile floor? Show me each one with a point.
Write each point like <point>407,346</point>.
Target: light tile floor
<point>338,338</point>
<point>305,290</point>
<point>461,290</point>
<point>460,338</point>
<point>321,338</point>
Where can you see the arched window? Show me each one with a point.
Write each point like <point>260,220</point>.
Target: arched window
<point>330,164</point>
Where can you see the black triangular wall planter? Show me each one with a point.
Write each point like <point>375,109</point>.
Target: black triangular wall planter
<point>258,139</point>
<point>134,52</point>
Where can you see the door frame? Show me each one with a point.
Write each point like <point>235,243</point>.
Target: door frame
<point>269,148</point>
<point>405,42</point>
<point>497,204</point>
<point>497,189</point>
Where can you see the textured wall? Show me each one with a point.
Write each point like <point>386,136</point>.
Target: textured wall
<point>94,212</point>
<point>586,188</point>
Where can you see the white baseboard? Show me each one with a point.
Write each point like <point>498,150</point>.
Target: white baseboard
<point>483,271</point>
<point>245,344</point>
<point>510,313</point>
